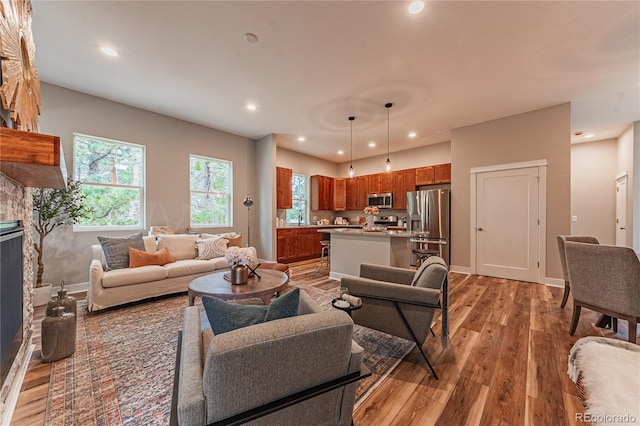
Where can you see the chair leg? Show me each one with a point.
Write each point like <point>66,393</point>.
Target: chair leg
<point>415,339</point>
<point>576,317</point>
<point>565,296</point>
<point>633,329</point>
<point>614,321</point>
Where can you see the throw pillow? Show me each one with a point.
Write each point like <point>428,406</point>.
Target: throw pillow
<point>116,249</point>
<point>211,248</point>
<point>224,316</point>
<point>181,246</point>
<point>139,258</point>
<point>235,241</point>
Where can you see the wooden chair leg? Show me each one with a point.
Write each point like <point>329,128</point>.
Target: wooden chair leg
<point>565,296</point>
<point>576,317</point>
<point>614,324</point>
<point>633,330</point>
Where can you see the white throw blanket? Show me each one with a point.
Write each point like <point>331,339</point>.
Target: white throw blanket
<point>611,378</point>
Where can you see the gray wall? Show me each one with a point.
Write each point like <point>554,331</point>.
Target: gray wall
<point>535,135</point>
<point>168,144</point>
<point>266,201</point>
<point>593,189</point>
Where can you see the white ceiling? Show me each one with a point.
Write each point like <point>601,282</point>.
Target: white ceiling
<point>318,62</point>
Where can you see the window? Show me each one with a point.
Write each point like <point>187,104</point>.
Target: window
<point>211,186</point>
<point>111,174</point>
<point>299,194</point>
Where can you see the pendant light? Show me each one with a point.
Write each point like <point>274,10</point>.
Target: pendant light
<point>388,164</point>
<point>351,171</point>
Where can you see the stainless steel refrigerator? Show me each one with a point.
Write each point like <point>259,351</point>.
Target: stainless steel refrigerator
<point>428,218</point>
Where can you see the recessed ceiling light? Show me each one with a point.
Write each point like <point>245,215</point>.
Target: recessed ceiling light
<point>412,134</point>
<point>589,135</point>
<point>108,51</point>
<point>250,38</point>
<point>251,107</point>
<point>340,152</point>
<point>416,7</point>
<point>301,139</point>
<point>372,144</point>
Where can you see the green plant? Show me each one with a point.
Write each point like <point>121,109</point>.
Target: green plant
<point>53,208</point>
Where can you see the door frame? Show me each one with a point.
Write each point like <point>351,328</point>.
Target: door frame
<point>623,177</point>
<point>542,210</point>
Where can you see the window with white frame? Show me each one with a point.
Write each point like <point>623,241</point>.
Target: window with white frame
<point>111,175</point>
<point>211,183</point>
<point>299,213</point>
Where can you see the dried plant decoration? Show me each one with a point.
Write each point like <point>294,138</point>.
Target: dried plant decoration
<point>20,90</point>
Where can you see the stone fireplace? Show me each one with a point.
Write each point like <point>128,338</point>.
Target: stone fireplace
<point>15,203</point>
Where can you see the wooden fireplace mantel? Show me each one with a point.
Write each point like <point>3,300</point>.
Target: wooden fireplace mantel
<point>32,159</point>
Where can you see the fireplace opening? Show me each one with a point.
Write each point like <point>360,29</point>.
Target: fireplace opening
<point>11,297</point>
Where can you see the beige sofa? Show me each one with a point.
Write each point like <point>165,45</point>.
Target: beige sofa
<point>119,286</point>
<point>221,376</point>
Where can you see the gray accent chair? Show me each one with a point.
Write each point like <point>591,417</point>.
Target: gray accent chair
<point>401,301</point>
<point>604,279</point>
<point>222,377</point>
<point>563,259</point>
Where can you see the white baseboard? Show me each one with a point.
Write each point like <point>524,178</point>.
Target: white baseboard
<point>553,282</point>
<point>460,269</point>
<point>338,275</point>
<point>16,385</point>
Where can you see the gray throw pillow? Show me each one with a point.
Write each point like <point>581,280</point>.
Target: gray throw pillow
<point>116,249</point>
<point>224,316</point>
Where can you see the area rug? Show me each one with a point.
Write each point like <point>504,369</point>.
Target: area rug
<point>607,372</point>
<point>122,369</point>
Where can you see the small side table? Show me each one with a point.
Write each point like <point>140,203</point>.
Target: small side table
<point>347,309</point>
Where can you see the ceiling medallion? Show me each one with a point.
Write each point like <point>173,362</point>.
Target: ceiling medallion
<point>20,90</point>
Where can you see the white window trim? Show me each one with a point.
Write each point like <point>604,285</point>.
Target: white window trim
<point>142,188</point>
<point>307,199</point>
<point>229,195</point>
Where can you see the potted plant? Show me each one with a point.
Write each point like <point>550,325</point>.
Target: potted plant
<point>52,208</point>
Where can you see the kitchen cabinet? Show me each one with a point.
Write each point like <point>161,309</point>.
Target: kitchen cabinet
<point>403,181</point>
<point>297,244</point>
<point>425,175</point>
<point>339,194</point>
<point>321,193</point>
<point>380,183</point>
<point>352,194</point>
<point>363,192</point>
<point>284,199</point>
<point>443,173</point>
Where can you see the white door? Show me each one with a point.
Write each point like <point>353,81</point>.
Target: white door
<point>507,224</point>
<point>621,211</point>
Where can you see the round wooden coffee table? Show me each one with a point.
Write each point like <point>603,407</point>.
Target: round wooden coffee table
<point>215,285</point>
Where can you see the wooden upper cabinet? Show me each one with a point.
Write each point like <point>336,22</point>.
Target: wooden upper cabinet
<point>375,182</point>
<point>443,173</point>
<point>283,187</point>
<point>321,193</point>
<point>386,182</point>
<point>425,175</point>
<point>339,194</point>
<point>352,194</point>
<point>363,192</point>
<point>403,181</point>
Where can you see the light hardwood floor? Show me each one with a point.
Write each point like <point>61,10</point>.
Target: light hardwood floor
<point>506,365</point>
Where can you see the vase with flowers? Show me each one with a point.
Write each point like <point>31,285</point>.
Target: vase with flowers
<point>239,258</point>
<point>370,212</point>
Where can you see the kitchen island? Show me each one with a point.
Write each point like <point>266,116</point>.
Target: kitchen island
<point>351,247</point>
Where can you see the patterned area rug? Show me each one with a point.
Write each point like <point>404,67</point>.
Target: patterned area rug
<point>122,370</point>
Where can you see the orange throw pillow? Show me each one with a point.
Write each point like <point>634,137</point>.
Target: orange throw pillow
<point>142,258</point>
<point>237,241</point>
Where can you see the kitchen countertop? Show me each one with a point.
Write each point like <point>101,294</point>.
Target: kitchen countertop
<point>318,226</point>
<point>345,231</point>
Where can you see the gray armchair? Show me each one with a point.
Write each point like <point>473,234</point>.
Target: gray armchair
<point>605,279</point>
<point>402,302</point>
<point>292,371</point>
<point>563,259</point>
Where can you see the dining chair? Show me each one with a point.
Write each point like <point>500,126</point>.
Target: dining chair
<point>563,260</point>
<point>604,279</point>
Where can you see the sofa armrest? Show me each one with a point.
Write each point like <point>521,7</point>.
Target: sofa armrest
<point>96,272</point>
<point>191,403</point>
<point>96,252</point>
<point>362,287</point>
<point>388,274</point>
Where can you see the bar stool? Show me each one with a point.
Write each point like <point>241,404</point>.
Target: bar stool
<point>422,254</point>
<point>325,254</point>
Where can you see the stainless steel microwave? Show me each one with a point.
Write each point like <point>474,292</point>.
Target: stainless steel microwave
<point>381,201</point>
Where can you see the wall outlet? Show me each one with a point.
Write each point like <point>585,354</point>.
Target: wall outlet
<point>574,218</point>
